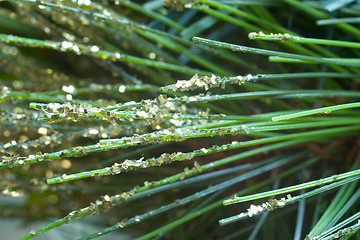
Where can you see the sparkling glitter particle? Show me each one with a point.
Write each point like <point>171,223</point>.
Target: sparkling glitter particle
<point>42,131</point>
<point>66,44</point>
<point>84,2</point>
<point>249,76</point>
<point>152,55</point>
<point>15,194</point>
<point>93,131</point>
<point>68,97</point>
<point>69,89</point>
<point>76,49</point>
<point>122,89</point>
<point>94,48</point>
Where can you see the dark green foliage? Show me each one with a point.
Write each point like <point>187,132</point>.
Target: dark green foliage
<point>150,118</point>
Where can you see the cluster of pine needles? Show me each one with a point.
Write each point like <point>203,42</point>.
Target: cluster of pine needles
<point>181,119</point>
